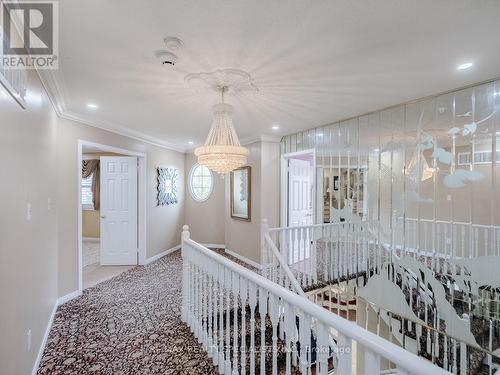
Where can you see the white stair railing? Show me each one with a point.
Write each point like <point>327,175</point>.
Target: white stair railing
<point>323,253</point>
<point>448,240</point>
<point>276,269</point>
<point>333,251</point>
<point>450,352</point>
<point>215,288</point>
<point>350,249</point>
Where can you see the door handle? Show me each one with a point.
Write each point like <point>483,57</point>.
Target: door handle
<point>103,216</point>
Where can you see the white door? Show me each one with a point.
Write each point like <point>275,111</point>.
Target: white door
<point>118,210</point>
<point>300,208</point>
<point>300,192</point>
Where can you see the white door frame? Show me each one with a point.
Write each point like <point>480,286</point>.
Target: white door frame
<point>141,200</point>
<point>284,183</point>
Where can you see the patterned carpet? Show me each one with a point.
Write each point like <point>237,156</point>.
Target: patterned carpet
<point>127,325</point>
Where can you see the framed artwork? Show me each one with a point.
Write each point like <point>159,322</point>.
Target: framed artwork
<point>241,193</point>
<point>168,186</point>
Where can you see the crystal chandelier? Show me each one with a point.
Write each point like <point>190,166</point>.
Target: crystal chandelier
<point>222,151</point>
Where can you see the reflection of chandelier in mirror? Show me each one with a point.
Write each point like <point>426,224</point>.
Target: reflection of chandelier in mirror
<point>419,169</point>
<point>222,151</point>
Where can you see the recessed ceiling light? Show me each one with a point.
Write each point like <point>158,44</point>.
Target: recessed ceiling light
<point>275,127</point>
<point>92,105</point>
<point>190,142</point>
<point>465,66</point>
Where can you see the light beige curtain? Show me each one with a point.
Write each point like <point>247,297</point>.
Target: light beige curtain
<point>92,167</point>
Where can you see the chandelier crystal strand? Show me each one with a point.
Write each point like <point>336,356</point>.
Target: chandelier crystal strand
<point>222,151</point>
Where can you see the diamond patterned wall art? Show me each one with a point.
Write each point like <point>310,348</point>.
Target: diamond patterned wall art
<point>168,186</point>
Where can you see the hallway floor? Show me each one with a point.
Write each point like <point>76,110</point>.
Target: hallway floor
<point>129,324</point>
<point>94,274</point>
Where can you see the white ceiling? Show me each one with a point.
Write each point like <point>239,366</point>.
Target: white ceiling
<point>315,62</point>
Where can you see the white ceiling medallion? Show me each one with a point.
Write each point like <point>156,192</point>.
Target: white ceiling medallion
<point>222,151</point>
<point>237,82</point>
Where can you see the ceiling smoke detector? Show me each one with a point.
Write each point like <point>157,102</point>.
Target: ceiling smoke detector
<point>166,58</point>
<point>172,43</point>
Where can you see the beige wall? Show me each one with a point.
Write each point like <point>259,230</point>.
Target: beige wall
<point>205,219</point>
<point>270,182</point>
<point>244,237</point>
<point>40,256</point>
<point>91,224</point>
<point>28,249</point>
<point>210,222</point>
<point>163,223</point>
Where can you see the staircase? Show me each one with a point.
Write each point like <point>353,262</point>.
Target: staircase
<point>248,323</point>
<point>430,303</point>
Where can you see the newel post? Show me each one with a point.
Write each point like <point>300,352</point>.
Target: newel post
<point>185,274</point>
<point>185,233</point>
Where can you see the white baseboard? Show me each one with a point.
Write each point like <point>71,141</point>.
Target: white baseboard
<point>44,340</point>
<point>214,245</point>
<point>68,297</point>
<point>59,302</point>
<point>243,259</point>
<point>162,254</point>
<point>91,239</point>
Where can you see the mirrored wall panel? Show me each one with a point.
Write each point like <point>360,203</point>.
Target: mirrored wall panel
<point>401,221</point>
<point>415,170</point>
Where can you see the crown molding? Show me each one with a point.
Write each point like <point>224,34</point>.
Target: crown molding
<point>122,130</point>
<point>53,90</point>
<point>260,138</point>
<point>247,141</point>
<point>271,138</point>
<point>56,94</point>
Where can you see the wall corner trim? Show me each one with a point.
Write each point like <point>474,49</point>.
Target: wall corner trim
<point>161,255</point>
<point>243,259</point>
